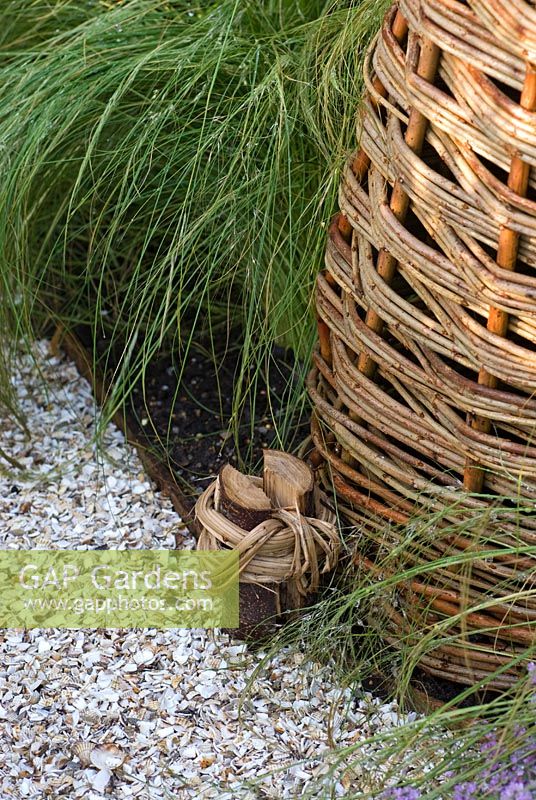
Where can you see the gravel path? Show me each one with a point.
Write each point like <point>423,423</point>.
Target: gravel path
<point>171,700</point>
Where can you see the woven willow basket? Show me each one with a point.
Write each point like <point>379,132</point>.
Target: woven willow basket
<point>424,382</point>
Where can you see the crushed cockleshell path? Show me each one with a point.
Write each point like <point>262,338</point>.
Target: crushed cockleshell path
<point>147,714</point>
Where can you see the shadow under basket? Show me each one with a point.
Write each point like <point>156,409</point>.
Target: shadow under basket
<point>425,376</point>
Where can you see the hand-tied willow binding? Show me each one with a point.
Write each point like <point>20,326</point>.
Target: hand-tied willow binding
<point>425,377</point>
<point>287,546</point>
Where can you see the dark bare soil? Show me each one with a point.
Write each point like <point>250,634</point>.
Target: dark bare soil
<point>183,412</point>
<point>192,419</point>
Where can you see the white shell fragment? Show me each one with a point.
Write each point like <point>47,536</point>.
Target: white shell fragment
<point>185,719</point>
<point>144,656</point>
<point>101,780</point>
<point>107,756</point>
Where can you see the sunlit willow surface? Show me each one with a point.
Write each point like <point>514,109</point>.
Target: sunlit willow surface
<point>426,371</point>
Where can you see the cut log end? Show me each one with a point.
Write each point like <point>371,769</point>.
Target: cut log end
<point>240,500</point>
<point>288,481</point>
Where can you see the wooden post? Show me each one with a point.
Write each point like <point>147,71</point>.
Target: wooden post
<point>246,505</point>
<point>289,483</point>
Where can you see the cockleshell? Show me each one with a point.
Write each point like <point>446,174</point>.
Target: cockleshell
<point>82,750</point>
<point>102,756</point>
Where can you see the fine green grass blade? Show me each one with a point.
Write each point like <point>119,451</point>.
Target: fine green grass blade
<point>168,171</point>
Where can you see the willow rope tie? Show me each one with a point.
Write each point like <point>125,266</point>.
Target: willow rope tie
<point>287,546</point>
